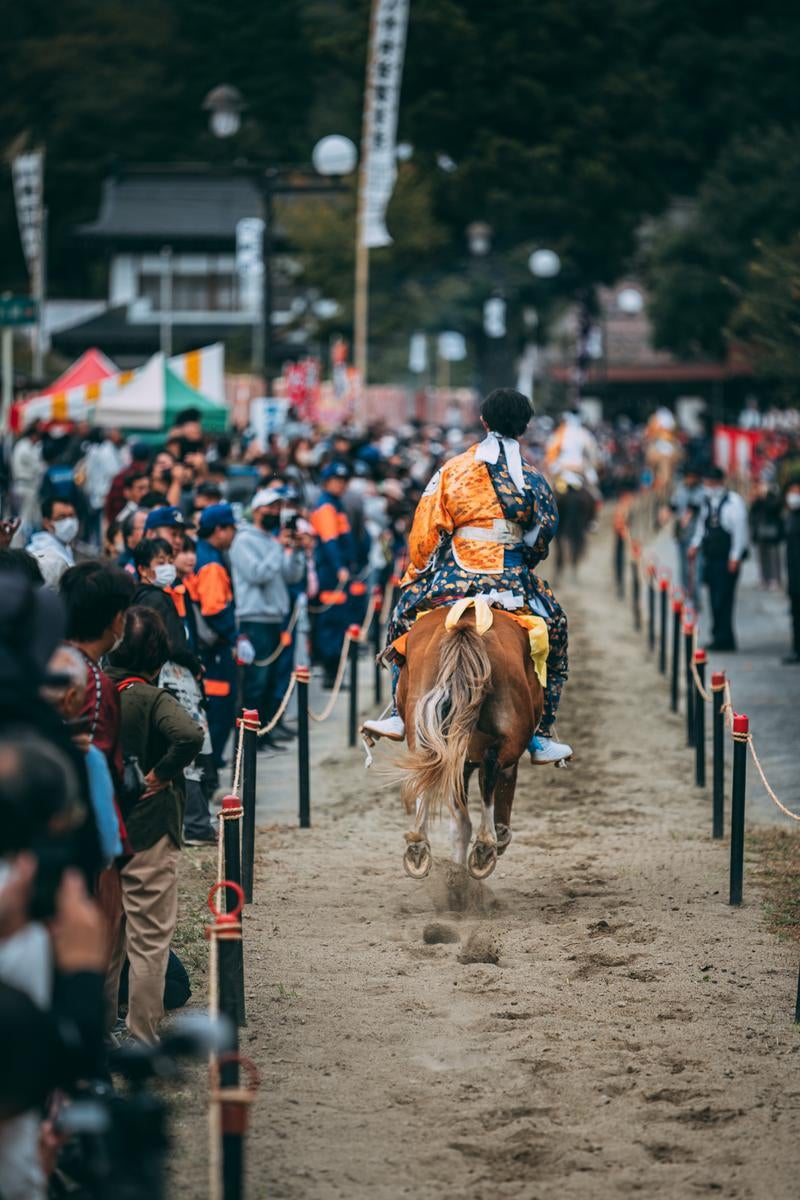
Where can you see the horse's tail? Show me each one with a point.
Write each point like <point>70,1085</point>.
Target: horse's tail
<point>444,721</point>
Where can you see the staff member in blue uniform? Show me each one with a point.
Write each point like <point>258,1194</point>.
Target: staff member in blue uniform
<point>216,625</point>
<point>334,558</point>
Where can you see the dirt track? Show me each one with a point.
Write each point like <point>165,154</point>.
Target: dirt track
<point>633,1036</point>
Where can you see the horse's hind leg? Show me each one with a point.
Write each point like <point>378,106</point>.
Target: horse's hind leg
<point>483,858</point>
<point>460,824</point>
<point>417,860</point>
<point>503,799</point>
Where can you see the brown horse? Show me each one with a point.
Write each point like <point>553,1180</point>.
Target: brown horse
<point>468,701</point>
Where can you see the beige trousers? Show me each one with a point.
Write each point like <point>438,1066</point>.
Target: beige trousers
<point>150,911</point>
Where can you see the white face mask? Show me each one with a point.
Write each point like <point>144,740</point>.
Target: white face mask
<point>793,499</point>
<point>66,530</point>
<point>164,575</point>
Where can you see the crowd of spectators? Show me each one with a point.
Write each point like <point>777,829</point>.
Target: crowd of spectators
<point>146,592</point>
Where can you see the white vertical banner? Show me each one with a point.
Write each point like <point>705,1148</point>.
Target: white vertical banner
<point>27,171</point>
<point>387,46</point>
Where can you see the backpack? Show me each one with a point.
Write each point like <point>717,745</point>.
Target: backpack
<point>716,539</point>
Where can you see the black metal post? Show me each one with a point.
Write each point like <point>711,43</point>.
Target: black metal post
<point>353,708</point>
<point>377,646</point>
<point>677,613</point>
<point>797,1002</point>
<point>688,648</point>
<point>232,869</point>
<point>718,770</point>
<point>303,675</point>
<point>227,934</point>
<point>251,722</point>
<point>663,625</point>
<point>635,595</point>
<point>651,608</point>
<point>619,565</point>
<point>741,727</point>
<point>700,721</point>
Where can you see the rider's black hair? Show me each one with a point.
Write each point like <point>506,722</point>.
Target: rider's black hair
<point>507,412</point>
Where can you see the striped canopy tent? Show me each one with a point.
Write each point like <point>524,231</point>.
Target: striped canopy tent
<point>91,368</point>
<point>202,371</point>
<point>151,401</point>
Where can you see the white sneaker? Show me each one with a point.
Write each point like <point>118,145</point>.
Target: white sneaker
<point>547,750</point>
<point>393,728</point>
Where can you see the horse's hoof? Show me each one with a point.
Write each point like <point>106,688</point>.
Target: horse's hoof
<point>482,860</point>
<point>418,860</point>
<point>504,836</point>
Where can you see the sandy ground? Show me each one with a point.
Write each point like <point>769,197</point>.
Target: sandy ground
<point>631,1033</point>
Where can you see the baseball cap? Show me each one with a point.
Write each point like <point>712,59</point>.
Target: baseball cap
<point>167,515</point>
<point>216,516</point>
<point>268,495</point>
<point>335,470</point>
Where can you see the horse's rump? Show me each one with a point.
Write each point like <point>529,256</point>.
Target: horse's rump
<point>462,693</point>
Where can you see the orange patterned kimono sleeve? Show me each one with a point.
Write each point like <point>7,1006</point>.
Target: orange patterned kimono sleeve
<point>431,520</point>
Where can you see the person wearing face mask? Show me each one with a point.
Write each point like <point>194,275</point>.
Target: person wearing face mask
<point>722,535</point>
<point>791,524</point>
<point>52,547</point>
<point>181,674</point>
<point>265,558</point>
<point>153,558</point>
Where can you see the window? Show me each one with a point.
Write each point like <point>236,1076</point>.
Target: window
<point>217,292</point>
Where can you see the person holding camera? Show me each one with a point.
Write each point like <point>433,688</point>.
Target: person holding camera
<point>265,557</point>
<point>159,739</point>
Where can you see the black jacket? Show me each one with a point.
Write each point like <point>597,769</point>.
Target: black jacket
<point>150,596</point>
<point>791,527</point>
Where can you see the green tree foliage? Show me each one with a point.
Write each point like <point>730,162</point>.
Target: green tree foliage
<point>751,193</point>
<point>568,121</point>
<point>767,316</point>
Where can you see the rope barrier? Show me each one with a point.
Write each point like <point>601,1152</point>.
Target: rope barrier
<point>748,737</point>
<point>650,570</point>
<point>237,769</point>
<point>284,704</point>
<point>337,685</point>
<point>368,616</point>
<point>288,631</point>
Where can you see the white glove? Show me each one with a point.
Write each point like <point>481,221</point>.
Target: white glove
<point>245,651</point>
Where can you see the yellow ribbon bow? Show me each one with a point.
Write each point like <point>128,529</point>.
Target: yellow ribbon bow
<point>536,626</point>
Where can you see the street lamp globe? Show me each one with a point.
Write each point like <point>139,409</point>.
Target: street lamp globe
<point>334,155</point>
<point>225,104</point>
<point>630,301</point>
<point>544,264</point>
<point>479,238</point>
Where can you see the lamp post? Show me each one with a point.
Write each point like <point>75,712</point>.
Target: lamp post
<point>332,157</point>
<point>542,264</point>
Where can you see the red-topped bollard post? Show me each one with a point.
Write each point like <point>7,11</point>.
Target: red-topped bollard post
<point>354,633</point>
<point>636,603</point>
<point>303,677</point>
<point>741,735</point>
<point>700,720</point>
<point>226,936</point>
<point>663,586</point>
<point>651,606</point>
<point>688,647</point>
<point>718,768</point>
<point>677,613</point>
<point>232,868</point>
<point>234,1102</point>
<point>251,722</point>
<point>377,640</point>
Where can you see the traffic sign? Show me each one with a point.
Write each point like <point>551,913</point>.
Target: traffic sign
<point>18,310</point>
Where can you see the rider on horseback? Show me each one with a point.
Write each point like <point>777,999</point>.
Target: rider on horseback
<point>483,524</point>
